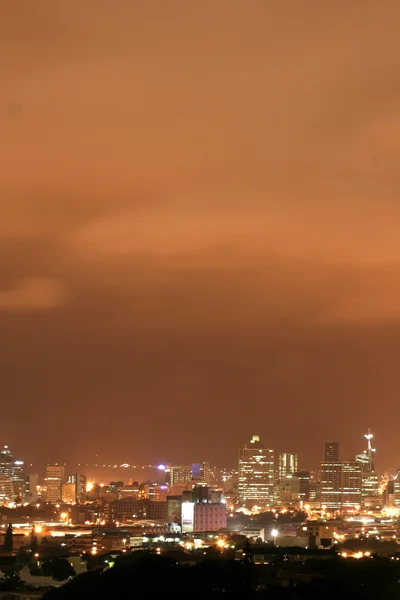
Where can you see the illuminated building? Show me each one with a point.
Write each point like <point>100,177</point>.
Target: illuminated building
<point>80,482</point>
<point>367,457</point>
<point>287,464</point>
<point>331,452</point>
<point>289,489</point>
<point>370,480</point>
<point>157,492</point>
<point>256,474</point>
<point>54,480</point>
<point>304,485</point>
<point>6,489</point>
<point>18,477</point>
<point>396,490</point>
<point>6,462</point>
<point>331,474</point>
<point>201,472</point>
<point>69,493</point>
<point>351,484</point>
<point>130,509</point>
<point>31,482</point>
<point>180,474</point>
<point>174,512</point>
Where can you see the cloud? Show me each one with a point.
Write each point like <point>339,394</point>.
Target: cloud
<point>36,293</point>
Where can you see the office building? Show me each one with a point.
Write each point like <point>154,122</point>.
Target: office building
<point>287,464</point>
<point>395,491</point>
<point>331,478</point>
<point>69,493</point>
<point>332,452</point>
<point>289,487</point>
<point>6,462</point>
<point>79,481</point>
<point>54,480</point>
<point>201,472</point>
<point>6,489</point>
<point>31,484</point>
<point>304,485</point>
<point>351,485</point>
<point>180,474</point>
<point>256,474</point>
<point>18,477</point>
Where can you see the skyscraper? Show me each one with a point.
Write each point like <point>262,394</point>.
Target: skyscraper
<point>180,474</point>
<point>370,480</point>
<point>331,474</point>
<point>331,451</point>
<point>6,462</point>
<point>287,464</point>
<point>54,481</point>
<point>256,474</point>
<point>304,485</point>
<point>351,484</point>
<point>201,472</point>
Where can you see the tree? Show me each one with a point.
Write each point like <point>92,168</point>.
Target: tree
<point>8,540</point>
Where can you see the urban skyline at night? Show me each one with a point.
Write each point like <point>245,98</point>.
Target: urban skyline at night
<point>200,299</point>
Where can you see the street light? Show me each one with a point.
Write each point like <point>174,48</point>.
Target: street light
<point>274,534</point>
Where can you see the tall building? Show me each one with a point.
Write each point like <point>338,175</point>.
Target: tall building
<point>79,480</point>
<point>370,480</point>
<point>331,451</point>
<point>304,485</point>
<point>201,472</point>
<point>351,484</point>
<point>331,477</point>
<point>6,462</point>
<point>287,464</point>
<point>31,483</point>
<point>396,490</point>
<point>18,477</point>
<point>54,480</point>
<point>256,474</point>
<point>180,474</point>
<point>68,493</point>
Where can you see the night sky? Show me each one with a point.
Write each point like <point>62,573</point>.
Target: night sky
<point>200,211</point>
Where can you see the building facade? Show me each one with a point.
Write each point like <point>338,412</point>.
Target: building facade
<point>54,480</point>
<point>256,474</point>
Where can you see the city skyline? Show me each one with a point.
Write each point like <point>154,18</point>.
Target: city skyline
<point>199,227</point>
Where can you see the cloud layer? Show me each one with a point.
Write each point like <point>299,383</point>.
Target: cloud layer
<point>200,207</point>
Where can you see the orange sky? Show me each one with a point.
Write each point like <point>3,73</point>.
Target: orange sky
<point>200,210</point>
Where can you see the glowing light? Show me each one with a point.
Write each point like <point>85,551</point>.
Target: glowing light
<point>220,543</point>
<point>161,467</point>
<point>274,533</point>
<point>89,487</point>
<point>38,529</point>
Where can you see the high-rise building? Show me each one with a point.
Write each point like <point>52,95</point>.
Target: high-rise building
<point>256,474</point>
<point>351,484</point>
<point>289,489</point>
<point>331,452</point>
<point>6,462</point>
<point>287,464</point>
<point>304,485</point>
<point>331,477</point>
<point>69,493</point>
<point>79,480</point>
<point>18,477</point>
<point>201,472</point>
<point>396,490</point>
<point>180,474</point>
<point>31,483</point>
<point>54,480</point>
